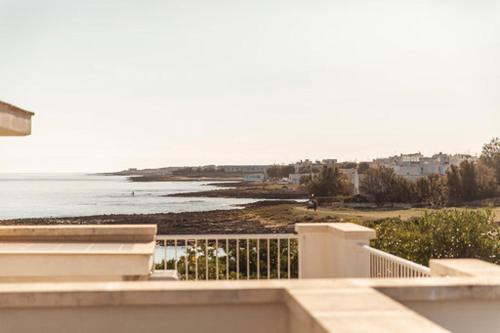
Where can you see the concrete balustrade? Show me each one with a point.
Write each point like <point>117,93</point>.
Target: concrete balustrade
<point>14,121</point>
<point>463,267</point>
<point>76,253</point>
<point>467,300</point>
<point>332,250</point>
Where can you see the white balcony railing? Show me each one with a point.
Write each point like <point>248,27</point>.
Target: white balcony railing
<point>386,265</point>
<point>229,257</point>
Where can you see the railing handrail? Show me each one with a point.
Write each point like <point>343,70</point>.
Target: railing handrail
<point>227,236</point>
<point>410,264</point>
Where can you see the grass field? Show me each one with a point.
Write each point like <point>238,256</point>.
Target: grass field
<point>366,215</point>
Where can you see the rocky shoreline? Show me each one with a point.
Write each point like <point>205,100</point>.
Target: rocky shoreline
<point>168,178</point>
<point>260,217</point>
<point>250,191</point>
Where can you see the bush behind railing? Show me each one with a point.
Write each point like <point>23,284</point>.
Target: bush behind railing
<point>223,263</point>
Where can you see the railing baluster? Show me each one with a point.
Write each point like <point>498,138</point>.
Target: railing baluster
<point>382,269</point>
<point>279,258</point>
<point>165,253</point>
<point>196,259</point>
<point>186,264</point>
<point>258,259</point>
<point>288,260</point>
<point>237,259</point>
<point>227,259</point>
<point>372,263</point>
<point>248,259</point>
<point>268,260</point>
<point>206,259</point>
<point>216,259</point>
<point>175,254</point>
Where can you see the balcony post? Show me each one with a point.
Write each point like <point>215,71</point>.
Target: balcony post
<point>332,250</point>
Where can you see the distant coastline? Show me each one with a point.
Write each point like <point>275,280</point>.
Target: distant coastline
<point>250,191</point>
<point>234,185</point>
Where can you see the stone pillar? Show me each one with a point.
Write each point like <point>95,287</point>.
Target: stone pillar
<point>332,250</point>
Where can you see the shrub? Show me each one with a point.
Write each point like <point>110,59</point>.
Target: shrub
<point>446,233</point>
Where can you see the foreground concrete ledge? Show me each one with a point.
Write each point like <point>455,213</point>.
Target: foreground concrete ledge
<point>313,305</point>
<point>436,288</point>
<point>204,292</point>
<point>341,230</point>
<point>79,233</point>
<point>463,267</point>
<point>80,248</point>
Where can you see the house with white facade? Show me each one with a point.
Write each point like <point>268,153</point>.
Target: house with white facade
<point>254,177</point>
<point>244,168</point>
<point>415,166</point>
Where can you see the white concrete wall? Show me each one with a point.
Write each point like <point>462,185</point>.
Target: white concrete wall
<point>461,316</point>
<point>244,318</point>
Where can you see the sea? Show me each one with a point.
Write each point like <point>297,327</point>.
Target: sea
<point>67,195</point>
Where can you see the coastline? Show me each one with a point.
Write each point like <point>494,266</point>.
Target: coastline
<point>139,179</point>
<point>259,217</point>
<point>245,190</point>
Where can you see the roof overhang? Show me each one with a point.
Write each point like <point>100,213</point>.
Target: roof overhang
<point>14,121</point>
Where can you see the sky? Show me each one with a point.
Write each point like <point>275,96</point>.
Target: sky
<point>120,83</point>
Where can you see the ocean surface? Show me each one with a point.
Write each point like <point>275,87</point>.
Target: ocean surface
<point>63,195</point>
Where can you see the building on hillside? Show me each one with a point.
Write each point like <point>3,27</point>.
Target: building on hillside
<point>295,178</point>
<point>329,161</point>
<point>255,177</point>
<point>307,166</point>
<point>415,166</point>
<point>245,168</point>
<point>303,166</point>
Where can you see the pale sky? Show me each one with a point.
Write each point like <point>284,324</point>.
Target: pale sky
<point>118,84</point>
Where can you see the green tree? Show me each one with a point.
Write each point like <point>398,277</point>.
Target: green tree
<point>280,171</point>
<point>328,182</point>
<point>380,183</point>
<point>491,156</point>
<point>363,167</point>
<point>432,190</point>
<point>486,181</point>
<point>469,180</point>
<point>454,183</point>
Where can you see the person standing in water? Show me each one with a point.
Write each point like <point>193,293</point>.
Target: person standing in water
<point>133,193</point>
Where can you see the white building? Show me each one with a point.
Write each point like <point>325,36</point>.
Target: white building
<point>255,177</point>
<point>294,178</point>
<point>245,168</point>
<point>415,166</point>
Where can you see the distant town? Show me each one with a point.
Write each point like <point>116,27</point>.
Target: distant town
<point>409,166</point>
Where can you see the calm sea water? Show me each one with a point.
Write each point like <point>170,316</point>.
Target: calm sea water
<point>61,195</point>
